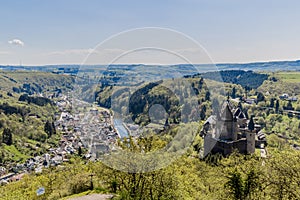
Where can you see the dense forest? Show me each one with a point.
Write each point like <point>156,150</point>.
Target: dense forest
<point>248,79</point>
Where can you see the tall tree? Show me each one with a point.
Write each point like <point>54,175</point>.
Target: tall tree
<point>235,185</point>
<point>203,112</point>
<point>49,128</point>
<point>251,184</point>
<point>167,123</point>
<point>79,151</point>
<point>272,102</point>
<point>207,96</point>
<point>7,136</point>
<point>277,106</point>
<point>260,97</point>
<point>201,81</point>
<point>246,188</point>
<point>233,93</point>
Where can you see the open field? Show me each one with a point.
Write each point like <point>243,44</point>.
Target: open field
<point>289,77</point>
<point>287,82</point>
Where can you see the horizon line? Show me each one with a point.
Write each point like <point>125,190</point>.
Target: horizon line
<point>159,64</point>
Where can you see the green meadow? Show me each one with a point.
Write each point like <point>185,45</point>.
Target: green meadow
<point>290,77</point>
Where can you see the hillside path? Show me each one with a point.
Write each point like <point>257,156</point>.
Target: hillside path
<point>94,197</point>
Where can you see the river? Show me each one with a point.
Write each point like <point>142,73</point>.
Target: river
<point>118,124</point>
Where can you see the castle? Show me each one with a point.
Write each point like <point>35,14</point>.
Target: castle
<point>230,130</point>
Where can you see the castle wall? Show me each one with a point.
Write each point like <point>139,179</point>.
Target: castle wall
<point>225,148</point>
<point>241,146</point>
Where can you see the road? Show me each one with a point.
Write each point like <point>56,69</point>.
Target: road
<point>94,197</point>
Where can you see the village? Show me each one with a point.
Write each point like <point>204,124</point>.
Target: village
<point>91,129</point>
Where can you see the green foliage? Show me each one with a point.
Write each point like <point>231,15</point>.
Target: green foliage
<point>260,97</point>
<point>235,185</point>
<point>240,188</point>
<point>188,101</point>
<point>284,82</point>
<point>49,128</point>
<point>34,82</point>
<point>290,77</point>
<point>40,101</point>
<point>235,177</point>
<point>7,137</point>
<point>244,78</point>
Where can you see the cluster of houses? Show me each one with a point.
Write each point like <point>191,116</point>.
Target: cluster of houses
<point>54,157</point>
<point>288,98</point>
<point>284,96</point>
<point>97,133</point>
<point>92,130</point>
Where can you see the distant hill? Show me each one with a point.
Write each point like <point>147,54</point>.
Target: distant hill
<point>248,79</point>
<point>37,82</point>
<point>124,74</point>
<point>264,66</point>
<point>181,68</point>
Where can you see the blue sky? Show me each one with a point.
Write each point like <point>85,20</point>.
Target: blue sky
<point>63,31</point>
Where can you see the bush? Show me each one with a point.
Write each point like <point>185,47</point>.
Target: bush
<point>80,183</point>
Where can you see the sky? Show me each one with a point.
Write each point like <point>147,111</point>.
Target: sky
<point>35,32</point>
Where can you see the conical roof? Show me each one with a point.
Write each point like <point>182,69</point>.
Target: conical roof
<point>226,113</point>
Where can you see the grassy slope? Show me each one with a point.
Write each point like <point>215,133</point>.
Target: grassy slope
<point>287,82</point>
<point>289,77</point>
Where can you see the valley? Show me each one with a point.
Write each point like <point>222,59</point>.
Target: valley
<point>58,133</point>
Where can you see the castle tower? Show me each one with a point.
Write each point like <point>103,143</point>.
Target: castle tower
<point>250,136</point>
<point>228,124</point>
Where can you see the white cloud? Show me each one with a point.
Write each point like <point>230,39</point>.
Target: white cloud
<point>16,42</point>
